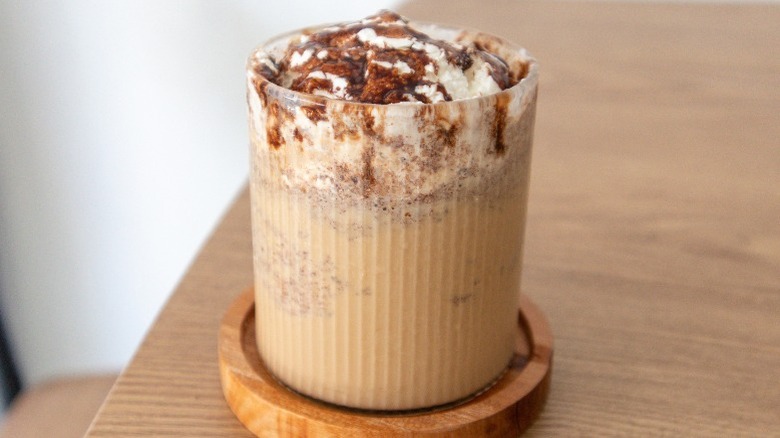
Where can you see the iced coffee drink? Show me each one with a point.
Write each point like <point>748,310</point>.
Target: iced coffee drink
<point>389,180</point>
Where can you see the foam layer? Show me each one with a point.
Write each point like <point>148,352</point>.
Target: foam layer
<point>387,155</point>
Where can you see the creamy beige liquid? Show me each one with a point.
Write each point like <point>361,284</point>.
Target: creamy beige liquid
<point>362,309</point>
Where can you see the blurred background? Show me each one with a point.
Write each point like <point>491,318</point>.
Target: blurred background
<point>122,141</point>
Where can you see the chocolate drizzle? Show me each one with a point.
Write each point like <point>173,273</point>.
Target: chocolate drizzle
<point>389,157</point>
<point>273,126</point>
<point>367,177</point>
<point>342,62</point>
<point>499,71</point>
<point>315,113</point>
<point>499,124</point>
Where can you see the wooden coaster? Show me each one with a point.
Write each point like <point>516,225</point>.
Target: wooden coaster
<point>267,408</point>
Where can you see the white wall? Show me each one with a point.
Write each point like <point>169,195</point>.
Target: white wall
<point>122,141</point>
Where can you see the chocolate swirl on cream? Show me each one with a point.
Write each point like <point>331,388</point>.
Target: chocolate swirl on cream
<point>382,60</point>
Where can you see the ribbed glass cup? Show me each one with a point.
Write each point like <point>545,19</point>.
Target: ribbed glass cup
<point>388,239</point>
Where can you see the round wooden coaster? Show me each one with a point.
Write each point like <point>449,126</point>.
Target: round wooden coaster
<point>268,409</point>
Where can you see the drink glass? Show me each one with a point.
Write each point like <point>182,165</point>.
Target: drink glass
<point>388,239</point>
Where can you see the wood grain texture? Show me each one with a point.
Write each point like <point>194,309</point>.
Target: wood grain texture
<point>61,408</point>
<point>269,409</point>
<point>653,239</point>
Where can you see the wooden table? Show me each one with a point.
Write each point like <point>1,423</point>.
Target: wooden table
<point>653,231</point>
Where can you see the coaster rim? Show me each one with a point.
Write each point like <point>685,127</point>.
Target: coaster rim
<point>264,405</point>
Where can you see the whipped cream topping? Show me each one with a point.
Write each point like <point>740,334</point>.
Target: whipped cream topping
<point>382,59</point>
<point>339,151</point>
